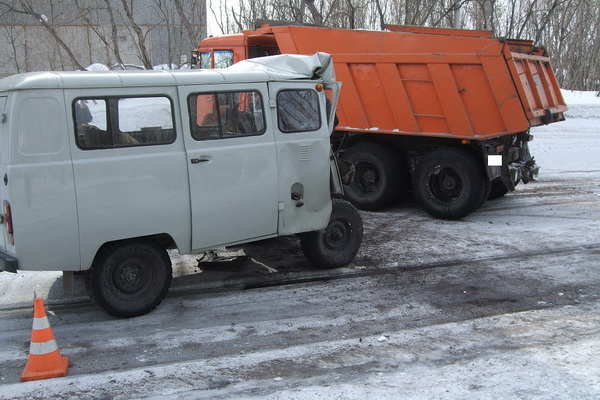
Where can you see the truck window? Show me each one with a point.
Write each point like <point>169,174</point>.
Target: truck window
<point>205,58</point>
<point>223,58</point>
<point>298,111</point>
<point>226,115</point>
<point>105,122</point>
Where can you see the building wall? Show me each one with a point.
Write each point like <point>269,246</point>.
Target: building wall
<point>26,45</point>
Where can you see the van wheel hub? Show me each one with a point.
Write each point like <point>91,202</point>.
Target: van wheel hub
<point>130,277</point>
<point>337,235</point>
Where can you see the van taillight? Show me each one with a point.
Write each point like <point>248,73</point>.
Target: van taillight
<point>8,222</point>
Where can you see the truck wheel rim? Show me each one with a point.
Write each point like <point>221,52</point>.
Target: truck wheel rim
<point>446,184</point>
<point>366,178</point>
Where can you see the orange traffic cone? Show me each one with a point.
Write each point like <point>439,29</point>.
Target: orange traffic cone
<point>44,360</point>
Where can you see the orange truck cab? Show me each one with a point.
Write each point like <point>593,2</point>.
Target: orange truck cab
<point>445,113</point>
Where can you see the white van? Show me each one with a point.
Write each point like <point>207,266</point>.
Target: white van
<point>105,171</point>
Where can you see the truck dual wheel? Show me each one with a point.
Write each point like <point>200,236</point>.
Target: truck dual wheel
<point>450,183</point>
<point>338,243</point>
<point>381,175</point>
<point>130,278</point>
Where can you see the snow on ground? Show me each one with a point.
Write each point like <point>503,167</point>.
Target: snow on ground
<point>571,148</point>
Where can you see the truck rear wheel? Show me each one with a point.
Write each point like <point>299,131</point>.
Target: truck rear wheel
<point>450,183</point>
<point>380,175</point>
<point>338,243</point>
<point>130,278</point>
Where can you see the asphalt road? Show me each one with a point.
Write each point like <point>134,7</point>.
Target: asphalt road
<point>503,304</point>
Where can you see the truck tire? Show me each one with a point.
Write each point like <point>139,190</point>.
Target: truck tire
<point>338,243</point>
<point>381,175</point>
<point>450,183</point>
<point>130,278</point>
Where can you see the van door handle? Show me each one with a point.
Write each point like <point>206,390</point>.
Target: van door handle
<point>200,160</point>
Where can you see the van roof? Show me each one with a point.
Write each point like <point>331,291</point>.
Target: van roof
<point>275,68</point>
<point>100,79</point>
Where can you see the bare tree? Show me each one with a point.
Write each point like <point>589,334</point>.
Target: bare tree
<point>26,7</point>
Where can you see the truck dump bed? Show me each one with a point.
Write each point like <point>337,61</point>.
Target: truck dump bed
<point>431,82</point>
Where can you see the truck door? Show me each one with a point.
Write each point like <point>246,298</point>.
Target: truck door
<point>232,163</point>
<point>303,149</point>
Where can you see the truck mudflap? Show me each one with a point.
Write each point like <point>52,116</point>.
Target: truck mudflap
<point>517,164</point>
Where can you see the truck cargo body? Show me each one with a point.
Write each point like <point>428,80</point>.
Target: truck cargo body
<point>417,90</point>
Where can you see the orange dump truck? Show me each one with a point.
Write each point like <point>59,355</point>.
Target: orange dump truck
<point>445,113</point>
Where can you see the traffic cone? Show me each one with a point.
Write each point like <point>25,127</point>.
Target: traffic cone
<point>44,360</point>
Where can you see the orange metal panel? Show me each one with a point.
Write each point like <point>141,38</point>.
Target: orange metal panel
<point>507,99</point>
<point>452,104</point>
<point>350,109</point>
<point>396,95</point>
<point>478,98</point>
<point>375,104</point>
<point>438,31</point>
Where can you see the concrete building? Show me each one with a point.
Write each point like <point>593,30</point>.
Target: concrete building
<point>31,32</point>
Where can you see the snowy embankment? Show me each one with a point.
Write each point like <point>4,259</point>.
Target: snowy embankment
<point>577,156</point>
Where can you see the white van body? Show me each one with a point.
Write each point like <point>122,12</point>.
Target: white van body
<point>66,194</point>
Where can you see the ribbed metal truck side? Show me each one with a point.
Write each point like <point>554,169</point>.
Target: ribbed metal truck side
<point>445,113</point>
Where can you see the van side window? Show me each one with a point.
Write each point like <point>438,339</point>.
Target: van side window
<point>226,115</point>
<point>298,111</point>
<point>111,122</point>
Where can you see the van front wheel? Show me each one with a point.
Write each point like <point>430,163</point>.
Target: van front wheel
<point>130,278</point>
<point>337,244</point>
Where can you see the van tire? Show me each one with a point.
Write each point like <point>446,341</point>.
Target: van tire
<point>450,183</point>
<point>130,278</point>
<point>337,244</point>
<point>380,175</point>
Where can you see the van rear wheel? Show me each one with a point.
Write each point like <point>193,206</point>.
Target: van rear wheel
<point>130,278</point>
<point>337,244</point>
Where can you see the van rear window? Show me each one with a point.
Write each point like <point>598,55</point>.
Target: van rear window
<point>109,122</point>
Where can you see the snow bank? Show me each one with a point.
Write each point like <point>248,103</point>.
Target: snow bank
<point>582,104</point>
<point>97,67</point>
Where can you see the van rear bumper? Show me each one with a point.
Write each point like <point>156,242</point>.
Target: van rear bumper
<point>8,263</point>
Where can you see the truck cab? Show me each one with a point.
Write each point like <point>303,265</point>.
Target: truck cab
<point>105,171</point>
<point>224,51</point>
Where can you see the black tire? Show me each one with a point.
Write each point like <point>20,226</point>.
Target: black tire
<point>450,183</point>
<point>498,190</point>
<point>338,243</point>
<point>381,175</point>
<point>130,278</point>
